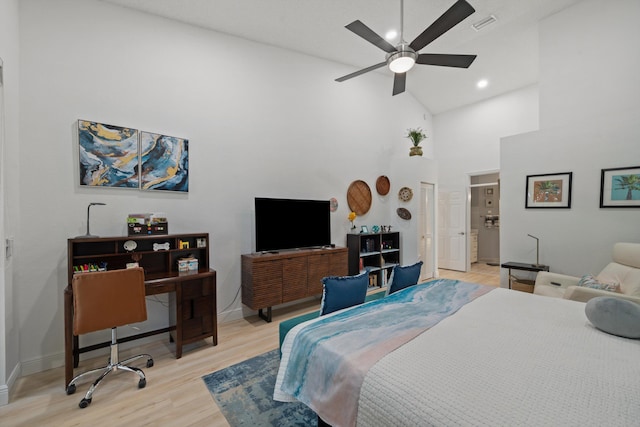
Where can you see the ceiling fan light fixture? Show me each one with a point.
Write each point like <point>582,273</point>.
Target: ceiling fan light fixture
<point>402,61</point>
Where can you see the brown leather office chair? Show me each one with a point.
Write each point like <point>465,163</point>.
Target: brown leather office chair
<point>103,300</point>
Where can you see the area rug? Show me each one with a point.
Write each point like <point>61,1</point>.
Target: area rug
<point>244,393</point>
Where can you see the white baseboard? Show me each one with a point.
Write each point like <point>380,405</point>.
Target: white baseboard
<point>5,389</point>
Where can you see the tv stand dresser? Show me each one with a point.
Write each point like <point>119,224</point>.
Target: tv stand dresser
<point>192,294</point>
<point>270,279</point>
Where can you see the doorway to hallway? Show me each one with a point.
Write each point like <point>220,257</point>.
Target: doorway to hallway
<point>484,219</point>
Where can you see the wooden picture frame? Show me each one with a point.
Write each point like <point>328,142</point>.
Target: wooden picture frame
<point>549,191</point>
<point>620,187</point>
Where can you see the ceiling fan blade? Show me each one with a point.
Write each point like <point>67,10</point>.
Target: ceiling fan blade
<point>369,35</point>
<point>452,17</point>
<point>399,82</point>
<point>364,70</point>
<point>444,60</point>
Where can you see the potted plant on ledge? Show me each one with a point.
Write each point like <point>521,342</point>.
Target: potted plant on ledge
<point>416,136</point>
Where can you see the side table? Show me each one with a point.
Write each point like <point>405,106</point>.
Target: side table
<point>523,267</point>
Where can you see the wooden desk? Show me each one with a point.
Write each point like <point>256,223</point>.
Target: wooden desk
<point>523,267</point>
<point>192,295</point>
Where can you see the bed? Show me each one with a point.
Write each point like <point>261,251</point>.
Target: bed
<point>450,353</point>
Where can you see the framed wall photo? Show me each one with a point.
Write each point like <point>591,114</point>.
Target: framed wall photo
<point>552,190</point>
<point>620,187</point>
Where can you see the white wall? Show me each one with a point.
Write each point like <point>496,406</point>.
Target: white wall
<point>598,106</point>
<point>261,122</point>
<point>9,334</point>
<point>468,139</point>
<point>579,240</point>
<point>589,57</point>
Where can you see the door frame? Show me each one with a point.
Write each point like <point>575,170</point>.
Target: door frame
<point>428,211</point>
<point>469,187</point>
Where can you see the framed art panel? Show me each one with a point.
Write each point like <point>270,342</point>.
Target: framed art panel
<point>552,190</point>
<point>164,162</point>
<point>108,155</point>
<point>620,187</point>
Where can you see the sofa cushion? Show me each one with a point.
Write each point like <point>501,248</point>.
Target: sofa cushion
<point>343,292</point>
<point>614,316</point>
<point>403,277</point>
<point>628,277</point>
<point>589,281</point>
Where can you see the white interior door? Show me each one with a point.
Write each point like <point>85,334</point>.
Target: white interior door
<point>452,234</point>
<point>426,252</point>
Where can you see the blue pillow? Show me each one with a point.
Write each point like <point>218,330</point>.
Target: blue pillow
<point>403,277</point>
<point>343,292</point>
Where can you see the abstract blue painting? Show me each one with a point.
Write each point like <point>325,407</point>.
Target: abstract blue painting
<point>164,162</point>
<point>108,155</point>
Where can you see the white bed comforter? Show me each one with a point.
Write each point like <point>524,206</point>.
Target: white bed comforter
<point>507,359</point>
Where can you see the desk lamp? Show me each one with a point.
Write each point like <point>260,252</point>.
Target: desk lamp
<point>88,210</point>
<point>537,264</point>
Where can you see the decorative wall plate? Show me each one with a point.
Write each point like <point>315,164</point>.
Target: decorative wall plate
<point>403,213</point>
<point>405,194</point>
<point>333,204</point>
<point>359,197</point>
<point>383,185</point>
<point>130,245</point>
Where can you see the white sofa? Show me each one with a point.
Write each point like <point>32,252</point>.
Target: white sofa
<point>624,269</point>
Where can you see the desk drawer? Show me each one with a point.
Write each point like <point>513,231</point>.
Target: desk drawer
<point>159,288</point>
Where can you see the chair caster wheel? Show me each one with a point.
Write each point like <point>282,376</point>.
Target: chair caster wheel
<point>84,403</point>
<point>71,389</point>
<point>149,363</point>
<point>142,383</point>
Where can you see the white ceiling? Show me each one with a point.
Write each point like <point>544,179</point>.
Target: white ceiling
<point>507,50</point>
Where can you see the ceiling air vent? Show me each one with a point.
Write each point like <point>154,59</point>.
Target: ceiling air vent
<point>483,23</point>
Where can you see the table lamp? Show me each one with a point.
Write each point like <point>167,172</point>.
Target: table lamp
<point>88,211</point>
<point>537,264</point>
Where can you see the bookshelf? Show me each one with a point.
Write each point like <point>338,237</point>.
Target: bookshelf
<point>376,253</point>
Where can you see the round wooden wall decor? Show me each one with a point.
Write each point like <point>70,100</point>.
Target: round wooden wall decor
<point>383,185</point>
<point>333,204</point>
<point>405,194</point>
<point>359,197</point>
<point>403,213</point>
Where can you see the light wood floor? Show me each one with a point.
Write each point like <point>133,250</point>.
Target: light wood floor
<point>175,393</point>
<point>480,273</point>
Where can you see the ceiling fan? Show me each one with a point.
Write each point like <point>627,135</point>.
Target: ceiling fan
<point>404,56</point>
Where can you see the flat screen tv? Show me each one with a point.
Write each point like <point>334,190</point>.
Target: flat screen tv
<point>291,224</point>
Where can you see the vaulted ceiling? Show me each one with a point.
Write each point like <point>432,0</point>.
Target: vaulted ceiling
<point>507,49</point>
